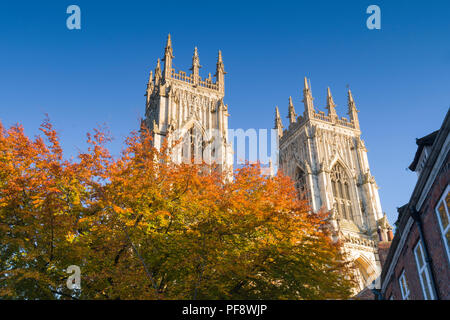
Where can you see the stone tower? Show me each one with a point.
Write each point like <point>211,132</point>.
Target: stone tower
<point>187,108</point>
<point>327,160</point>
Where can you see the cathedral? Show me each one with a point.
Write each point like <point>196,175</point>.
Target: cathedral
<point>327,159</point>
<point>322,153</point>
<point>189,109</point>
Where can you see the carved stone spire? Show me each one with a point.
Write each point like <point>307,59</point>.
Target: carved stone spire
<point>220,72</point>
<point>220,61</point>
<point>169,44</point>
<point>195,66</point>
<point>278,123</point>
<point>168,56</point>
<point>352,111</point>
<point>158,72</point>
<point>149,86</point>
<point>150,78</point>
<point>308,100</point>
<point>331,106</point>
<point>292,115</point>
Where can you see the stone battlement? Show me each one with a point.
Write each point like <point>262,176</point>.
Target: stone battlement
<point>310,113</point>
<point>194,79</point>
<point>190,79</point>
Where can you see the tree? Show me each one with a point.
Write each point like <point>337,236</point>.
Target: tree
<point>143,227</point>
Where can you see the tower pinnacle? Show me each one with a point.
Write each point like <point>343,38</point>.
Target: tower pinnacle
<point>278,123</point>
<point>158,72</point>
<point>308,100</point>
<point>150,77</point>
<point>220,72</point>
<point>331,106</point>
<point>195,66</point>
<point>149,87</point>
<point>168,56</point>
<point>352,111</point>
<point>292,115</point>
<point>350,98</point>
<point>169,42</point>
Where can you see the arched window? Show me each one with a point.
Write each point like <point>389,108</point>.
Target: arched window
<point>362,275</point>
<point>192,149</point>
<point>192,142</point>
<point>300,183</point>
<point>340,184</point>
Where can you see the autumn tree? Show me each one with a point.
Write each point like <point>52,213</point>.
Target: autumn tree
<point>143,227</point>
<point>40,202</point>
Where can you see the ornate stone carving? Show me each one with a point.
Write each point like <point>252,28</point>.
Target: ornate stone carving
<point>176,100</point>
<point>322,141</point>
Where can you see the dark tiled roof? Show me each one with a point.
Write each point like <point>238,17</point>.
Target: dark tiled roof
<point>400,211</point>
<point>428,140</point>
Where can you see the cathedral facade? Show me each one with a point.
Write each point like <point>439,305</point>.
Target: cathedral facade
<point>327,159</point>
<point>187,108</point>
<point>322,153</point>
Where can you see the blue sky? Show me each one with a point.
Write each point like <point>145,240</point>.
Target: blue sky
<point>399,75</point>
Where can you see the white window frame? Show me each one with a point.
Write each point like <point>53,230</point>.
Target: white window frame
<point>424,269</point>
<point>403,286</point>
<point>441,227</point>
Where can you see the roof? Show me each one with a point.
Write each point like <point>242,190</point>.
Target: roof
<point>428,140</point>
<point>400,211</point>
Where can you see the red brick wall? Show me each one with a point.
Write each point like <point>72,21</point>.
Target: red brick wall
<point>407,262</point>
<point>433,239</point>
<point>383,249</point>
<point>365,294</point>
<point>433,235</point>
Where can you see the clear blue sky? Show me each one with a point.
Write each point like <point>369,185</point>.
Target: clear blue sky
<point>399,75</point>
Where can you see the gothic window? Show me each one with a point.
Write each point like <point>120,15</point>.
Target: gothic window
<point>192,143</point>
<point>192,146</point>
<point>300,183</point>
<point>361,274</point>
<point>340,184</point>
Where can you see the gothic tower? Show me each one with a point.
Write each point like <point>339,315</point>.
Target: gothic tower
<point>187,108</point>
<point>327,160</point>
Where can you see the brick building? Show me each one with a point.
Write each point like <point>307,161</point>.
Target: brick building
<point>417,266</point>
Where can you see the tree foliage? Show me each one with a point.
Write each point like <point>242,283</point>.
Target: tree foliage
<point>143,227</point>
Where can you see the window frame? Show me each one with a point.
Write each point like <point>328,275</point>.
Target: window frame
<point>405,295</point>
<point>424,269</point>
<point>301,184</point>
<point>442,200</point>
<point>341,191</point>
